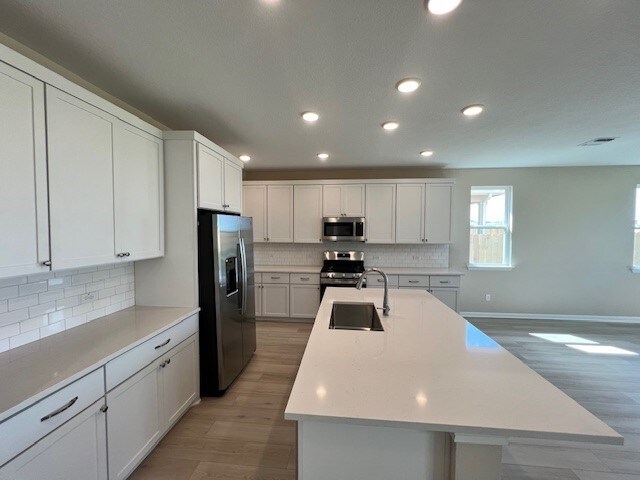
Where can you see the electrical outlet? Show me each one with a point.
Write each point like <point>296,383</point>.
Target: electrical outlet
<point>88,296</point>
<point>487,297</point>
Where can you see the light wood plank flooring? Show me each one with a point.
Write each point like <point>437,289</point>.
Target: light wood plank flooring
<point>243,435</point>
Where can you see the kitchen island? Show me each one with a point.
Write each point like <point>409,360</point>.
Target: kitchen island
<point>430,397</point>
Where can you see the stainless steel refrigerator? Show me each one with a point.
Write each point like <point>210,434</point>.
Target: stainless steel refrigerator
<point>227,302</point>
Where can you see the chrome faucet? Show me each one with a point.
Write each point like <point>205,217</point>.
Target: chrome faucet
<point>385,302</point>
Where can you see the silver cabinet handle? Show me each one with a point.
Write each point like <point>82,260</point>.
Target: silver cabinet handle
<point>380,280</point>
<point>66,406</point>
<point>445,281</point>
<point>163,344</point>
<point>46,263</point>
<point>165,363</point>
<point>414,281</point>
<point>304,279</point>
<point>104,408</point>
<point>275,278</point>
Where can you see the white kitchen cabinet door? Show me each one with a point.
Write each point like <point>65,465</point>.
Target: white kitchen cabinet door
<point>258,299</point>
<point>381,213</point>
<point>179,381</point>
<point>275,300</point>
<point>78,449</point>
<point>353,200</point>
<point>305,301</point>
<point>410,213</point>
<point>138,194</point>
<point>232,187</point>
<point>280,213</point>
<point>210,179</point>
<point>254,205</point>
<point>448,296</point>
<point>80,141</point>
<point>307,214</point>
<point>134,420</point>
<point>437,226</point>
<point>24,217</point>
<point>332,200</point>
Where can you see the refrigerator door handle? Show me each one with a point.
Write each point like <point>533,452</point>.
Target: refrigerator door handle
<point>245,281</point>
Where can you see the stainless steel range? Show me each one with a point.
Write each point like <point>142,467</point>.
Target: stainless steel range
<point>341,269</point>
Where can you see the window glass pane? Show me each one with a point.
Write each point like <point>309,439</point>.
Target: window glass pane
<point>475,213</point>
<point>636,250</point>
<point>638,207</point>
<point>487,245</point>
<point>488,206</point>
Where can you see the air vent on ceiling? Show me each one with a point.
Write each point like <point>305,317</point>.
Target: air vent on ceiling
<point>597,141</point>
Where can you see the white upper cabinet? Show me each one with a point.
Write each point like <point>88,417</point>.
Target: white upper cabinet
<point>437,223</point>
<point>210,179</point>
<point>254,204</point>
<point>381,213</point>
<point>410,213</point>
<point>343,200</point>
<point>307,213</point>
<point>24,222</point>
<point>232,186</point>
<point>280,213</point>
<point>80,145</point>
<point>138,194</point>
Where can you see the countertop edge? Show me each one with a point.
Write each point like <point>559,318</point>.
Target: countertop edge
<point>616,439</point>
<point>99,364</point>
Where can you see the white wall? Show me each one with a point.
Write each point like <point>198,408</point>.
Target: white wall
<point>572,239</point>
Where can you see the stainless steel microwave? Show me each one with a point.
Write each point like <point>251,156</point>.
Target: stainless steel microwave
<point>343,229</point>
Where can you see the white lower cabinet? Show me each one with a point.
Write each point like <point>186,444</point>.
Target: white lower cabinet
<point>258,299</point>
<point>275,300</point>
<point>133,420</point>
<point>448,296</point>
<point>305,301</point>
<point>78,449</point>
<point>145,406</point>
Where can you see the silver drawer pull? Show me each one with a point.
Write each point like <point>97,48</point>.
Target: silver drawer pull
<point>380,280</point>
<point>445,281</point>
<point>275,278</point>
<point>304,278</point>
<point>60,410</point>
<point>163,344</point>
<point>413,281</point>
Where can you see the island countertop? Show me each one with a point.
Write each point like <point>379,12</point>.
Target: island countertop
<point>33,371</point>
<point>429,369</point>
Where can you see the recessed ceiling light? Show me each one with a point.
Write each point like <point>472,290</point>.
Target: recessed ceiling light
<point>323,156</point>
<point>310,117</point>
<point>472,110</point>
<point>391,125</point>
<point>244,158</point>
<point>440,7</point>
<point>426,153</point>
<point>408,85</point>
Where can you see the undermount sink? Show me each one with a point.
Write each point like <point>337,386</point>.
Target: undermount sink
<point>355,316</point>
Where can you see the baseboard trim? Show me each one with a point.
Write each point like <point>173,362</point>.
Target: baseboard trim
<point>553,316</point>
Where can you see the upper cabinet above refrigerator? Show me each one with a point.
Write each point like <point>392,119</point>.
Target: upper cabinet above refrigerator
<point>219,181</point>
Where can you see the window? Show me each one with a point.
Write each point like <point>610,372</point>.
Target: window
<point>636,232</point>
<point>490,227</point>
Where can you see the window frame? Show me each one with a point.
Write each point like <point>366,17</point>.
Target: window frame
<point>507,228</point>
<point>635,268</point>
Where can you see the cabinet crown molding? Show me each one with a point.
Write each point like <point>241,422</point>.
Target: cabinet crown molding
<point>430,181</point>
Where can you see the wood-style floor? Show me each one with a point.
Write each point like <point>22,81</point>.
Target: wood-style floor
<point>243,435</point>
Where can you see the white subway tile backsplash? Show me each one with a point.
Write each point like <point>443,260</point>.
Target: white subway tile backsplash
<point>427,256</point>
<point>42,304</point>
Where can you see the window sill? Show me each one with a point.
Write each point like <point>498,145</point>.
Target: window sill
<point>497,268</point>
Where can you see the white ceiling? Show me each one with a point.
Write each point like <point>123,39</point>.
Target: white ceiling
<point>552,74</point>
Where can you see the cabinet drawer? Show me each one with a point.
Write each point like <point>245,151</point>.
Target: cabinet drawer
<point>305,278</point>
<point>414,281</point>
<point>30,425</point>
<point>445,281</point>
<point>374,281</point>
<point>275,278</point>
<point>257,278</point>
<point>124,366</point>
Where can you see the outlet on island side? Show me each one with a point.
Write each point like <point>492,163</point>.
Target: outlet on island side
<point>487,297</point>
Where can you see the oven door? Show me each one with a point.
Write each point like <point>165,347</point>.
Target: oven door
<point>338,282</point>
<point>343,229</point>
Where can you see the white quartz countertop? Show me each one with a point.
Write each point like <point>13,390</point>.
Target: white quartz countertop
<point>387,270</point>
<point>429,369</point>
<point>33,371</point>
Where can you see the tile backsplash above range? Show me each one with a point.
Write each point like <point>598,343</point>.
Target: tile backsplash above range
<point>426,256</point>
<point>39,305</point>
